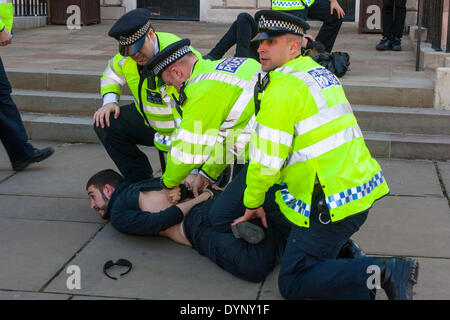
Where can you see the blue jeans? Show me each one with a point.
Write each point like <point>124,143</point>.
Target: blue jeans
<point>12,132</point>
<point>309,268</point>
<point>208,229</point>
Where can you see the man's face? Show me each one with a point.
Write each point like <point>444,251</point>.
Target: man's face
<point>99,201</point>
<point>274,52</point>
<point>143,56</point>
<point>171,77</point>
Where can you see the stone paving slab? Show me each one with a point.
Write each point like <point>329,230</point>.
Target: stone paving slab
<point>444,169</point>
<point>161,270</point>
<point>66,172</point>
<point>31,252</point>
<point>45,208</point>
<point>411,177</point>
<point>20,295</point>
<point>407,226</point>
<point>5,174</point>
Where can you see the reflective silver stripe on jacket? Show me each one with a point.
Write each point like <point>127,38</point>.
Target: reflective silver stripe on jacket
<point>264,159</point>
<point>325,145</point>
<point>165,110</point>
<point>112,77</point>
<point>186,157</point>
<point>196,138</point>
<point>322,118</point>
<point>273,135</point>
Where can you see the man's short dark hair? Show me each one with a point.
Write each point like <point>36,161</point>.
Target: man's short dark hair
<point>104,177</point>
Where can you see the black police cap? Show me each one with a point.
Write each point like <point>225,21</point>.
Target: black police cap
<point>273,24</point>
<point>169,55</point>
<point>130,30</point>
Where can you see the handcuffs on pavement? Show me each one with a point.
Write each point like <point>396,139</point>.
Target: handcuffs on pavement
<point>120,262</point>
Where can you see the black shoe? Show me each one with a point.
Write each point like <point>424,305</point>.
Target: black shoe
<point>385,44</point>
<point>396,44</point>
<point>350,250</point>
<point>38,156</point>
<point>249,232</point>
<point>398,276</point>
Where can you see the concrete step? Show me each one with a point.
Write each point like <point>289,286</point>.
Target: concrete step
<point>387,145</point>
<point>370,118</point>
<point>59,102</point>
<point>398,88</point>
<point>402,120</point>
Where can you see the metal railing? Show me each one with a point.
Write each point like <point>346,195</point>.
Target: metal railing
<point>432,19</point>
<point>26,8</point>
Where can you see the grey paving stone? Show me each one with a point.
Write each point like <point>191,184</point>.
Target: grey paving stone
<point>66,172</point>
<point>161,270</point>
<point>411,177</point>
<point>269,290</point>
<point>31,252</point>
<point>95,298</point>
<point>444,169</point>
<point>44,208</point>
<point>5,174</point>
<point>407,226</point>
<point>20,295</point>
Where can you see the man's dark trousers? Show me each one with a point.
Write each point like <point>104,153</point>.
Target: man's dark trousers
<point>120,140</point>
<point>12,132</point>
<point>320,10</point>
<point>393,26</point>
<point>309,268</point>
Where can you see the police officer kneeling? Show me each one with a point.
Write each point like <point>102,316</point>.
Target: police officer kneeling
<point>330,179</point>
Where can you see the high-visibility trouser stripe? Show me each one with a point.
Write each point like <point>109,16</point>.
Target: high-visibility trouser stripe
<point>162,139</point>
<point>112,77</point>
<point>356,193</point>
<point>297,205</point>
<point>164,110</point>
<point>265,159</point>
<point>287,4</point>
<point>186,157</point>
<point>196,138</point>
<point>325,145</point>
<point>273,135</point>
<point>313,86</point>
<point>322,118</point>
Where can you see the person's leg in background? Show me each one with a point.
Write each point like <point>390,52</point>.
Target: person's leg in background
<point>120,140</point>
<point>240,33</point>
<point>387,16</point>
<point>398,24</point>
<point>328,33</point>
<point>12,132</point>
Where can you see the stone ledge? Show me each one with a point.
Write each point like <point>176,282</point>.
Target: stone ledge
<point>29,22</point>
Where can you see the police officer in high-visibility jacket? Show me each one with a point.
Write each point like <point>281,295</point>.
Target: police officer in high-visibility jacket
<point>216,107</point>
<point>327,11</point>
<point>307,139</point>
<point>149,120</point>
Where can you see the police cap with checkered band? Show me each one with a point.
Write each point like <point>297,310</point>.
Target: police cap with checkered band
<point>272,24</point>
<point>131,30</point>
<point>169,55</point>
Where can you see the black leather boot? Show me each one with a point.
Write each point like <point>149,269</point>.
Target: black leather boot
<point>398,276</point>
<point>385,44</point>
<point>350,250</point>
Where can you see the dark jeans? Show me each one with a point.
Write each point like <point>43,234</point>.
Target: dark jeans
<point>320,10</point>
<point>393,25</point>
<point>12,132</point>
<point>208,228</point>
<point>309,268</point>
<point>120,140</point>
<point>240,34</point>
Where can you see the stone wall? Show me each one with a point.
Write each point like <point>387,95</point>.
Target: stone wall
<point>111,9</point>
<point>227,10</point>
